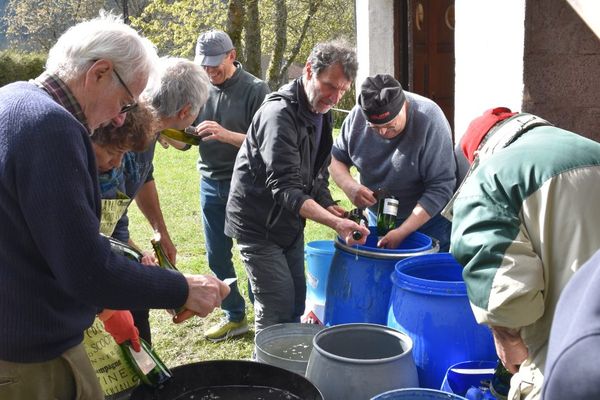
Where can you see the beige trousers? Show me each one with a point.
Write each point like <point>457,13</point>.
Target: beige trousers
<point>68,377</point>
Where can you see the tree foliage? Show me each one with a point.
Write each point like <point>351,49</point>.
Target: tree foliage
<point>33,25</point>
<point>281,31</point>
<point>36,25</point>
<point>284,30</point>
<point>174,26</point>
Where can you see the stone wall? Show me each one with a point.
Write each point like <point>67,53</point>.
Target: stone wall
<point>561,72</point>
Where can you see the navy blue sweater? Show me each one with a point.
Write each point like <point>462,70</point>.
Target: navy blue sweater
<point>56,271</point>
<point>572,367</point>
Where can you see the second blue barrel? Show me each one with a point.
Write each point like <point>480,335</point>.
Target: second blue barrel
<point>359,284</point>
<point>429,303</point>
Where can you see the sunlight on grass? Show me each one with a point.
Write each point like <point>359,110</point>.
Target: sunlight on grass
<point>177,181</point>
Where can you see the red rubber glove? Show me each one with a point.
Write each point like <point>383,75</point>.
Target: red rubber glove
<point>120,326</point>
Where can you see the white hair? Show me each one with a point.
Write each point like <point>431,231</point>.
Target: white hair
<point>104,37</point>
<point>180,82</point>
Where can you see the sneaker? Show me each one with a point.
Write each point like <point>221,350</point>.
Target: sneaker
<point>226,329</point>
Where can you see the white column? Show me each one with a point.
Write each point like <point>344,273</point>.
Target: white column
<point>374,38</point>
<point>489,43</point>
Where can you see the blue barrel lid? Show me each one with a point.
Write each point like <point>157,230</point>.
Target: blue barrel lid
<point>437,273</point>
<point>415,243</point>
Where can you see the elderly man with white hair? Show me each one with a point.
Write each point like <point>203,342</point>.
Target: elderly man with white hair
<point>56,271</point>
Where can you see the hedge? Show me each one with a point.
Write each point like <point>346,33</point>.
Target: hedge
<point>15,66</point>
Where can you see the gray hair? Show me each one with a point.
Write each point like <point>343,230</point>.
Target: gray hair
<point>180,82</point>
<point>324,55</point>
<point>105,37</point>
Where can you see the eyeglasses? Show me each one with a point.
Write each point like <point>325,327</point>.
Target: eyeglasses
<point>130,106</point>
<point>382,128</point>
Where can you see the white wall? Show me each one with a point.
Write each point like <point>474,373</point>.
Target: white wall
<point>489,40</point>
<point>374,38</point>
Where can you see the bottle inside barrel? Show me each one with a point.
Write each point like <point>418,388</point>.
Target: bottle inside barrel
<point>500,382</point>
<point>387,212</point>
<point>357,215</point>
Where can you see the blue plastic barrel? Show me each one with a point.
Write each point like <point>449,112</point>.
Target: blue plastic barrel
<point>416,394</point>
<point>466,375</point>
<point>359,285</point>
<point>318,255</point>
<point>429,303</point>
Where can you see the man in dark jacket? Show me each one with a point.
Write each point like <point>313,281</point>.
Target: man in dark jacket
<point>280,178</point>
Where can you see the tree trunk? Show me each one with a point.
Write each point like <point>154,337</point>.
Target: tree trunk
<point>253,41</point>
<point>235,25</point>
<point>313,7</point>
<point>274,79</point>
<point>125,5</point>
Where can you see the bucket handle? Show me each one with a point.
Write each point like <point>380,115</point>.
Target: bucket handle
<point>435,247</point>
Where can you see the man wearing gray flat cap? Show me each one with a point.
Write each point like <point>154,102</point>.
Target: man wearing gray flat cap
<point>234,96</point>
<point>401,142</point>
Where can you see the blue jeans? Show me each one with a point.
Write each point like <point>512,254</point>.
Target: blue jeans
<point>437,227</point>
<point>213,199</point>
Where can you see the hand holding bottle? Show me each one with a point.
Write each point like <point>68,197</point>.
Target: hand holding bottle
<point>361,196</point>
<point>119,323</point>
<point>347,230</point>
<point>206,292</point>
<point>510,347</point>
<point>211,130</point>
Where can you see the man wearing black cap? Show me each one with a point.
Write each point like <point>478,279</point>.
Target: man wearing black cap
<point>234,97</point>
<point>400,142</point>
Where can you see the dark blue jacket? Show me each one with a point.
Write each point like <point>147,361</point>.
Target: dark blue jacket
<point>572,367</point>
<point>56,271</point>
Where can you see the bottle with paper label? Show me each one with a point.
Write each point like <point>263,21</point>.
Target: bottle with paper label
<point>387,212</point>
<point>150,368</point>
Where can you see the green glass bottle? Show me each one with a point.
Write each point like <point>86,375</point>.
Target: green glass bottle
<point>146,363</point>
<point>124,249</point>
<point>387,213</point>
<point>357,215</point>
<point>164,262</point>
<point>500,384</point>
<point>182,136</point>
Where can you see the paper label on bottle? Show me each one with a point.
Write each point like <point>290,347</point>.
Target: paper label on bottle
<point>143,360</point>
<point>390,206</point>
<point>112,369</point>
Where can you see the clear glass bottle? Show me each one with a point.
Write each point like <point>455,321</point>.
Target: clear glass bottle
<point>387,212</point>
<point>146,363</point>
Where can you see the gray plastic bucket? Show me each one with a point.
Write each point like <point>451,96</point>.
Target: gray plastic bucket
<point>286,346</point>
<point>358,361</point>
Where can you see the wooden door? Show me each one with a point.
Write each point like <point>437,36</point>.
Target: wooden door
<point>430,36</point>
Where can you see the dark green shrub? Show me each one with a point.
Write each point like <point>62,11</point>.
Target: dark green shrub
<point>16,66</point>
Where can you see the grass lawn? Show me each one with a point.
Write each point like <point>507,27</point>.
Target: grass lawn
<point>177,181</point>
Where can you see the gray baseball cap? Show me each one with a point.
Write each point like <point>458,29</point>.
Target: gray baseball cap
<point>211,48</point>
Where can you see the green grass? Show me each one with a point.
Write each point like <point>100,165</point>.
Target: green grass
<point>177,181</point>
